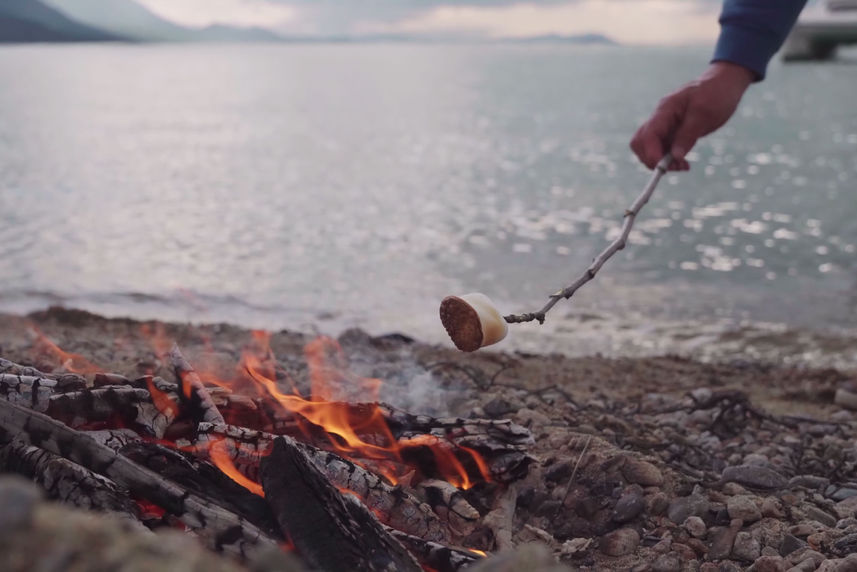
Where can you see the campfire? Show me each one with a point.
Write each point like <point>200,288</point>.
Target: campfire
<point>257,459</point>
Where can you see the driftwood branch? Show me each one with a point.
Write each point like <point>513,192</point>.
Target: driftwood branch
<point>331,530</point>
<point>611,249</point>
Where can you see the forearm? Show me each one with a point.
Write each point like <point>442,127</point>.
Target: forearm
<point>752,31</point>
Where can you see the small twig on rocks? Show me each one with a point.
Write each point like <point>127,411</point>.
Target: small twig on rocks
<point>611,249</point>
<point>574,472</point>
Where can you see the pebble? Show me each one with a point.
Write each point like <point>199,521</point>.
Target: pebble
<point>818,515</point>
<point>843,493</point>
<point>746,547</point>
<point>642,473</point>
<point>658,504</point>
<point>845,545</point>
<point>683,507</point>
<point>791,544</point>
<point>620,542</point>
<point>809,482</point>
<point>743,507</point>
<point>754,477</point>
<point>769,564</point>
<point>695,526</point>
<point>845,398</point>
<point>721,544</point>
<point>18,497</point>
<point>848,564</point>
<point>629,506</point>
<point>756,460</point>
<point>846,508</point>
<point>667,563</point>
<point>772,508</point>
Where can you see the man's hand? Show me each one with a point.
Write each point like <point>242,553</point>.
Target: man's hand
<point>697,109</point>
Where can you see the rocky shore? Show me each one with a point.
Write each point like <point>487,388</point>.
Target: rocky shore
<point>662,464</point>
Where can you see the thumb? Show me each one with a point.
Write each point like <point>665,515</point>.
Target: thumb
<point>686,136</point>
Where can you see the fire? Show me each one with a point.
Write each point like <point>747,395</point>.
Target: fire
<point>74,363</point>
<point>161,400</point>
<point>362,432</point>
<point>219,454</point>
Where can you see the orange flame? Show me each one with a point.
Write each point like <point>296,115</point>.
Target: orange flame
<point>219,453</point>
<point>162,401</point>
<point>74,363</point>
<point>361,431</point>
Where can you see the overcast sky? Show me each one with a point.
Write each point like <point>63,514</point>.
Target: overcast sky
<point>668,22</point>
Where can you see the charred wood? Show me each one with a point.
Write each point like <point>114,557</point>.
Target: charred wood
<point>65,381</point>
<point>331,531</point>
<point>65,480</point>
<point>393,505</point>
<point>193,393</point>
<point>436,556</point>
<point>203,479</point>
<point>220,528</point>
<point>112,406</point>
<point>33,392</point>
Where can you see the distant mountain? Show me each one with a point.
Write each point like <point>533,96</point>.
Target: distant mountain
<point>33,21</point>
<point>557,39</point>
<point>132,19</point>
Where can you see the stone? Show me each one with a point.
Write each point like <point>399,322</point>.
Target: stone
<point>754,477</point>
<point>534,557</point>
<point>658,504</point>
<point>772,508</point>
<point>695,526</point>
<point>809,482</point>
<point>669,562</point>
<point>814,513</point>
<point>558,472</point>
<point>629,506</point>
<point>620,542</point>
<point>757,460</point>
<point>845,545</point>
<point>790,544</point>
<point>843,493</point>
<point>683,507</point>
<point>19,498</point>
<point>743,507</point>
<point>846,508</point>
<point>642,473</point>
<point>845,398</point>
<point>769,564</point>
<point>848,564</point>
<point>746,547</point>
<point>722,541</point>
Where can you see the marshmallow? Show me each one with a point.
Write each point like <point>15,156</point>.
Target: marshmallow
<point>472,321</point>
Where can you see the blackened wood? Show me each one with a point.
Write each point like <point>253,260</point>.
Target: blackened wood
<point>113,406</point>
<point>436,556</point>
<point>114,439</point>
<point>192,391</point>
<point>220,528</point>
<point>331,532</point>
<point>65,480</point>
<point>65,381</point>
<point>449,503</point>
<point>395,506</point>
<point>205,480</point>
<point>33,392</point>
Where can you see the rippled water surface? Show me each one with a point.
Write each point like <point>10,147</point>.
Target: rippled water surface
<point>337,185</point>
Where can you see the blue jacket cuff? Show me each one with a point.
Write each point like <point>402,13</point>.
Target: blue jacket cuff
<point>745,47</point>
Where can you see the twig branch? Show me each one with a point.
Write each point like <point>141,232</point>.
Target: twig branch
<point>599,261</point>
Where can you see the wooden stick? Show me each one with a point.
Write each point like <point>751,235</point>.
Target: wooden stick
<point>611,249</point>
<point>193,392</point>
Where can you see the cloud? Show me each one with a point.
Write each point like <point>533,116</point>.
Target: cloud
<point>200,13</point>
<point>655,22</point>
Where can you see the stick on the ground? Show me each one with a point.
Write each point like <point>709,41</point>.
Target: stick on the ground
<point>612,249</point>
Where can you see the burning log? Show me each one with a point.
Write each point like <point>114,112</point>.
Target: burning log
<point>122,405</point>
<point>436,556</point>
<point>220,528</point>
<point>393,505</point>
<point>193,393</point>
<point>65,381</point>
<point>29,391</point>
<point>65,480</point>
<point>331,531</point>
<point>449,503</point>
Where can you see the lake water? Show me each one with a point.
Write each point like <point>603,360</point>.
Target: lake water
<point>327,186</point>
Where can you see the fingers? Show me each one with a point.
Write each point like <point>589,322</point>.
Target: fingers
<point>686,136</point>
<point>655,137</point>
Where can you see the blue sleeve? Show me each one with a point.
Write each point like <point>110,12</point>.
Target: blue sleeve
<point>751,31</point>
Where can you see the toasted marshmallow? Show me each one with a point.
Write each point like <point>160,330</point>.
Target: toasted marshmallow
<point>472,321</point>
